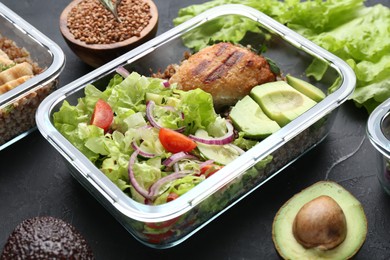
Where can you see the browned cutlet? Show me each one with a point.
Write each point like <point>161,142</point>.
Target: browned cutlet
<point>228,72</point>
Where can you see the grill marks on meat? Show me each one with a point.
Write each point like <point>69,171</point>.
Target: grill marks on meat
<point>224,68</point>
<point>201,67</point>
<point>228,72</point>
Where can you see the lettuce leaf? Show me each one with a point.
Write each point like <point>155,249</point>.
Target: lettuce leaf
<point>197,107</point>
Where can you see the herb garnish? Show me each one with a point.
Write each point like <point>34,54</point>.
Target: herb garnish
<point>113,8</point>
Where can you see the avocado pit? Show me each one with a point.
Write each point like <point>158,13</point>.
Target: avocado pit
<point>320,223</point>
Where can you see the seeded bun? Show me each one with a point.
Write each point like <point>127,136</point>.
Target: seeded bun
<point>46,238</point>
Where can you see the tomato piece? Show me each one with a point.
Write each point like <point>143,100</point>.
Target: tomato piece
<point>158,238</point>
<point>175,142</point>
<point>102,115</point>
<point>172,196</point>
<point>161,225</point>
<point>210,169</point>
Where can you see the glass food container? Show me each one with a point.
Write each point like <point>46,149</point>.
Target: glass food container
<point>168,224</point>
<point>378,131</point>
<point>18,106</point>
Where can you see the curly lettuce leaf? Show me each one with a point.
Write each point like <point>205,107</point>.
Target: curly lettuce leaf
<point>198,109</point>
<point>227,29</point>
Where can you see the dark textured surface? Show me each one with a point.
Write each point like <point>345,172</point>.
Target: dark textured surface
<point>46,238</point>
<point>35,182</point>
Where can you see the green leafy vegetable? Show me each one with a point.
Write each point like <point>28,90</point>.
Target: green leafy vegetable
<point>111,151</point>
<point>358,34</point>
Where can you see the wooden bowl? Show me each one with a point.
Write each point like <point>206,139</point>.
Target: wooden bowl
<point>96,55</point>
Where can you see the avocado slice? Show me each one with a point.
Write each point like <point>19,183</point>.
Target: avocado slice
<point>248,117</point>
<point>306,88</point>
<point>356,223</point>
<point>280,101</point>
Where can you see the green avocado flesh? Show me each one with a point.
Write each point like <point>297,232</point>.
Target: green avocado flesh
<point>306,88</point>
<point>248,117</point>
<point>280,101</point>
<point>282,229</point>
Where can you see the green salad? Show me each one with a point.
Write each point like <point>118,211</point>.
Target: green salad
<point>146,136</point>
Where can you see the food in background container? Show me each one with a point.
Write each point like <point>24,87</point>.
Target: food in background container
<point>378,131</point>
<point>16,66</point>
<point>30,64</point>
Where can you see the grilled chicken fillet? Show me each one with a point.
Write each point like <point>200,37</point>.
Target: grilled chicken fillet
<point>228,72</point>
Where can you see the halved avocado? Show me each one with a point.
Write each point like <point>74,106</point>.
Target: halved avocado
<point>280,101</point>
<point>284,236</point>
<point>248,117</point>
<point>306,88</point>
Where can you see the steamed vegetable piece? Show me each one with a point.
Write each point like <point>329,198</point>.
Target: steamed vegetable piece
<point>347,28</point>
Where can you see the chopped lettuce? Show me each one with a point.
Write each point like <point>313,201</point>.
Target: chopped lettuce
<point>352,31</point>
<point>110,151</point>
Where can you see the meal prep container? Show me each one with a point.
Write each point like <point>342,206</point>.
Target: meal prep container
<point>378,131</point>
<point>18,106</point>
<point>291,52</point>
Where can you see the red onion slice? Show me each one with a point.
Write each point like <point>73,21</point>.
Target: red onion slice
<point>226,139</point>
<point>122,71</point>
<point>203,164</point>
<point>157,185</point>
<point>166,84</point>
<point>174,158</point>
<point>132,178</point>
<point>149,115</point>
<point>176,167</point>
<point>142,153</point>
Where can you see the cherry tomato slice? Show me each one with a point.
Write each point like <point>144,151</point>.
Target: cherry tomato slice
<point>161,225</point>
<point>172,196</point>
<point>209,169</point>
<point>175,142</point>
<point>158,238</point>
<point>102,115</point>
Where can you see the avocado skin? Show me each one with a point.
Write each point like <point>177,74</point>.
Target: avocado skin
<point>46,238</point>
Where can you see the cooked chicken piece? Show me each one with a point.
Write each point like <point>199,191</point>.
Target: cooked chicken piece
<point>13,83</point>
<point>17,71</point>
<point>4,59</point>
<point>228,72</point>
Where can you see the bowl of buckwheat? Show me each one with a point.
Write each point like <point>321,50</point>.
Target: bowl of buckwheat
<point>98,31</point>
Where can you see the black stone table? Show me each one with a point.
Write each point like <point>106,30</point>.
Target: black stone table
<point>34,180</point>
